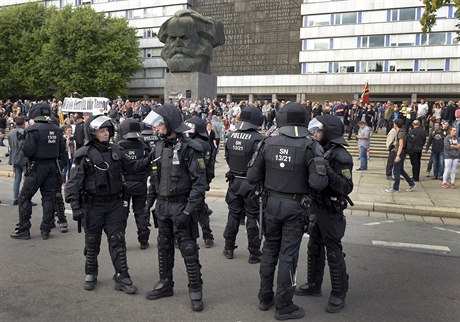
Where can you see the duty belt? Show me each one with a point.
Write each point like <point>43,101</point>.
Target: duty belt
<point>291,196</point>
<point>182,199</point>
<point>92,199</point>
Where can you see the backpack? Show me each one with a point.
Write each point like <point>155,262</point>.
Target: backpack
<point>21,136</point>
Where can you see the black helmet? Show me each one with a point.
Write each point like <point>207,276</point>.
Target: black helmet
<point>146,129</point>
<point>250,118</point>
<point>169,115</point>
<point>95,123</point>
<point>130,129</point>
<point>40,112</point>
<point>197,126</point>
<point>292,120</point>
<point>332,127</point>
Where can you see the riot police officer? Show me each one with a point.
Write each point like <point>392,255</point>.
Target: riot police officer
<point>290,166</point>
<point>179,178</point>
<point>135,184</point>
<point>94,192</point>
<point>45,149</point>
<point>326,219</point>
<point>199,134</point>
<point>241,195</point>
<point>149,136</point>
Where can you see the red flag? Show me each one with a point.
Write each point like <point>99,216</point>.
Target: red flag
<point>365,94</point>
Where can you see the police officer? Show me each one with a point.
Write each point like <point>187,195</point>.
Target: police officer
<point>94,192</point>
<point>45,149</point>
<point>149,136</point>
<point>199,134</point>
<point>326,220</point>
<point>290,167</point>
<point>241,195</point>
<point>179,177</point>
<point>135,184</point>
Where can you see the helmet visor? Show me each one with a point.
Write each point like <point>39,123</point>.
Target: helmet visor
<point>191,126</point>
<point>98,123</point>
<point>154,119</point>
<point>314,126</point>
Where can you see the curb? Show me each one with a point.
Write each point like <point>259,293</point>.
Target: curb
<point>8,174</point>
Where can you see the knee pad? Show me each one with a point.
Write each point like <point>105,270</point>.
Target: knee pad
<point>188,248</point>
<point>334,258</point>
<point>313,248</point>
<point>117,240</point>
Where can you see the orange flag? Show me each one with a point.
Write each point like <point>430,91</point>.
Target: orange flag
<point>365,94</point>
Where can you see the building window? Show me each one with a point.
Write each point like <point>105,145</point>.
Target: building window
<point>317,68</point>
<point>153,12</point>
<point>154,72</point>
<point>117,14</point>
<point>152,52</point>
<point>403,14</point>
<point>56,3</point>
<point>344,67</point>
<point>344,43</point>
<point>455,65</point>
<point>346,18</point>
<point>371,66</point>
<point>433,39</point>
<point>442,12</point>
<point>317,44</point>
<point>401,65</point>
<point>171,10</point>
<point>374,16</point>
<point>373,41</point>
<point>136,14</point>
<point>402,40</point>
<point>151,32</point>
<point>318,20</point>
<point>427,65</point>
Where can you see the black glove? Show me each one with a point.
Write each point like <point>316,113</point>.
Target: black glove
<point>147,213</point>
<point>183,220</point>
<point>77,214</point>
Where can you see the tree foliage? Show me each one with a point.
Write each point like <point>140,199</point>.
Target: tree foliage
<point>57,52</point>
<point>428,19</point>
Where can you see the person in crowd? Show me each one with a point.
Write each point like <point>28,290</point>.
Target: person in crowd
<point>400,149</point>
<point>415,141</point>
<point>364,143</point>
<point>436,142</point>
<point>451,157</point>
<point>16,158</point>
<point>71,147</point>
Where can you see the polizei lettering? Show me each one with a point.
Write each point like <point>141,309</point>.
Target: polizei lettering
<point>241,136</point>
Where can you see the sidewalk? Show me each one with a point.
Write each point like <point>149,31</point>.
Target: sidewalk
<point>428,202</point>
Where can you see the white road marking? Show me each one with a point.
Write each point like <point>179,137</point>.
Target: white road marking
<point>409,245</point>
<point>377,223</point>
<point>445,229</point>
<point>67,211</point>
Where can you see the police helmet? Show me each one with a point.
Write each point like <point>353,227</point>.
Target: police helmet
<point>197,126</point>
<point>292,120</point>
<point>130,129</point>
<point>169,115</point>
<point>332,127</point>
<point>40,112</point>
<point>95,123</point>
<point>250,118</point>
<point>146,129</point>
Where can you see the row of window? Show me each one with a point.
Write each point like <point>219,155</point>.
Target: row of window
<point>158,72</point>
<point>389,15</point>
<point>152,12</point>
<point>403,65</point>
<point>62,3</point>
<point>402,40</point>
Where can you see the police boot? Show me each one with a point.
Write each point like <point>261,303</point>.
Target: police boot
<point>60,213</point>
<point>143,238</point>
<point>189,251</point>
<point>90,282</point>
<point>165,286</point>
<point>339,283</point>
<point>18,234</point>
<point>255,257</point>
<point>228,251</point>
<point>291,312</point>
<point>315,272</point>
<point>124,283</point>
<point>45,234</point>
<point>64,227</point>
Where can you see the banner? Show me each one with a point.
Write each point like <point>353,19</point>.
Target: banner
<point>365,94</point>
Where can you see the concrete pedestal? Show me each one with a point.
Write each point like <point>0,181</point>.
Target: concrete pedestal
<point>199,84</point>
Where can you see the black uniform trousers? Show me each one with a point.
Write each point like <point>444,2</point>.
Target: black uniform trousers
<point>415,160</point>
<point>203,216</point>
<point>167,213</point>
<point>138,200</point>
<point>108,214</point>
<point>242,200</point>
<point>327,232</point>
<point>283,230</point>
<point>44,176</point>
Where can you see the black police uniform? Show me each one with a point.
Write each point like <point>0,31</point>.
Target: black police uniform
<point>241,195</point>
<point>179,180</point>
<point>45,149</point>
<point>290,166</point>
<point>94,190</point>
<point>135,184</point>
<point>327,221</point>
<point>149,136</point>
<point>201,136</point>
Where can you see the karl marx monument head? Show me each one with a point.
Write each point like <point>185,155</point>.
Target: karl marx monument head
<point>189,40</point>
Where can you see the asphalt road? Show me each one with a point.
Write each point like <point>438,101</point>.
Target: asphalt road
<point>399,271</point>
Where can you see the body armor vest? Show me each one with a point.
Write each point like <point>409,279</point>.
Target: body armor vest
<point>241,146</point>
<point>207,151</point>
<point>104,173</point>
<point>150,138</point>
<point>134,150</point>
<point>287,164</point>
<point>171,177</point>
<point>48,142</point>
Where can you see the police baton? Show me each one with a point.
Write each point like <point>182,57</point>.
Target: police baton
<point>261,212</point>
<point>79,226</point>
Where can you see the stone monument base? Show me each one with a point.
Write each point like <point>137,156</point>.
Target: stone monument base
<point>200,85</point>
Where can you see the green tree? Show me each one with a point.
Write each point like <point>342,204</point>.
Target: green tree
<point>57,52</point>
<point>428,19</point>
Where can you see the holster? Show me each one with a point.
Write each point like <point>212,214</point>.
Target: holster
<point>155,221</point>
<point>230,177</point>
<point>30,167</point>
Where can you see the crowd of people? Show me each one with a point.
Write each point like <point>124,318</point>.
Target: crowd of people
<point>104,162</point>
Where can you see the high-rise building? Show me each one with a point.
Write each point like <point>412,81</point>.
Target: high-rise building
<point>310,49</point>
